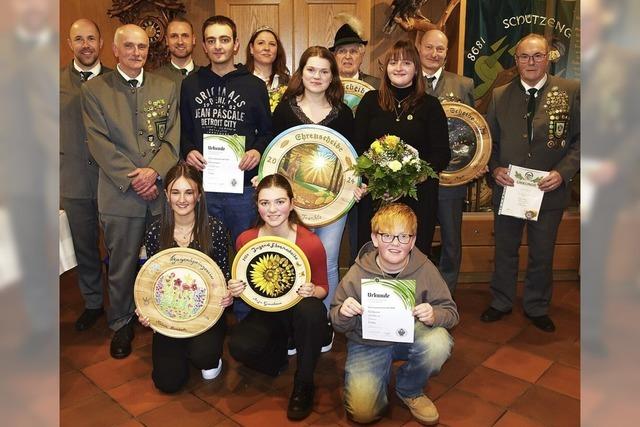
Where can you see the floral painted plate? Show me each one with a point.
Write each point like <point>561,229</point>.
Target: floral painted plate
<point>179,290</point>
<point>274,269</point>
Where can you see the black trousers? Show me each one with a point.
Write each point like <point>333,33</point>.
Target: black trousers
<point>171,356</point>
<point>260,340</point>
<point>541,239</point>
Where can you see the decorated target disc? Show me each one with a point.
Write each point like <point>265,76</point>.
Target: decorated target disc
<point>179,290</point>
<point>469,141</point>
<point>317,162</point>
<point>354,90</point>
<point>274,269</point>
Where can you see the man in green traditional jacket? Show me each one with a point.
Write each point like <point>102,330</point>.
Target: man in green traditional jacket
<point>133,127</point>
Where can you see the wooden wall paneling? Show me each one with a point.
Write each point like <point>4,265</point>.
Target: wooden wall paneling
<point>71,10</point>
<point>314,24</point>
<point>249,15</point>
<point>456,44</point>
<point>481,258</point>
<point>197,12</point>
<point>477,229</point>
<point>478,241</point>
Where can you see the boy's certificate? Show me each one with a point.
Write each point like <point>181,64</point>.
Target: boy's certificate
<point>386,309</point>
<point>524,199</point>
<point>223,154</point>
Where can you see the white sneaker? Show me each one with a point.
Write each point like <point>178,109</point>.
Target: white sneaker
<point>291,347</point>
<point>328,347</point>
<point>209,374</point>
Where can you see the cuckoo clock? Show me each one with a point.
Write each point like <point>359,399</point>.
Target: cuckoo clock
<point>153,16</point>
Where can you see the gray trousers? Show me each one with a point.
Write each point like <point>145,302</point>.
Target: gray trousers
<point>541,238</point>
<point>123,237</point>
<point>83,222</point>
<point>450,207</point>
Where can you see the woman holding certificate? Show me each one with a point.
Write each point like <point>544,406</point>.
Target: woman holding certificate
<point>314,96</point>
<point>260,340</point>
<point>402,108</point>
<point>185,223</point>
<point>409,323</point>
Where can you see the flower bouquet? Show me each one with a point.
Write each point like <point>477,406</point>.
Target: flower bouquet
<point>275,96</point>
<point>392,168</point>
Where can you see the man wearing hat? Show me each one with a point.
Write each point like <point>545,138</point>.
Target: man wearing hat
<point>348,48</point>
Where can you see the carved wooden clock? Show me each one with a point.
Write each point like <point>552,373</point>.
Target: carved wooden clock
<point>154,27</point>
<point>153,16</point>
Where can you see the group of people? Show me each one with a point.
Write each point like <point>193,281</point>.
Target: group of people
<point>132,162</point>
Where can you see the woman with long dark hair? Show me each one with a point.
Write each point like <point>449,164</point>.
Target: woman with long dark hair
<point>267,59</point>
<point>402,108</point>
<point>314,96</point>
<point>260,340</point>
<point>185,223</point>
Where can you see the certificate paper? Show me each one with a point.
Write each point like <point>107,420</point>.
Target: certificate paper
<point>223,153</point>
<point>524,199</point>
<point>386,309</point>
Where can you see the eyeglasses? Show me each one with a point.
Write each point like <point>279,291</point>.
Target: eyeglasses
<point>402,238</point>
<point>343,51</point>
<point>524,58</point>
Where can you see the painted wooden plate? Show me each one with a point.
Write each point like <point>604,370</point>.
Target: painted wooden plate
<point>317,162</point>
<point>179,290</point>
<point>354,90</point>
<point>274,269</point>
<point>470,143</point>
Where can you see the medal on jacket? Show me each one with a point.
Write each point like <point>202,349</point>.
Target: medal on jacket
<point>557,106</point>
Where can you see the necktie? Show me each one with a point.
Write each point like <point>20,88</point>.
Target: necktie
<point>133,83</point>
<point>429,82</point>
<point>84,75</point>
<point>531,110</point>
<point>183,71</point>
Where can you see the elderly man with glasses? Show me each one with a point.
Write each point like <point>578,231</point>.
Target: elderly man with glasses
<point>535,123</point>
<point>348,48</point>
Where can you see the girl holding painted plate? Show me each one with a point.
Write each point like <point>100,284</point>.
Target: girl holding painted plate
<point>315,96</point>
<point>260,340</point>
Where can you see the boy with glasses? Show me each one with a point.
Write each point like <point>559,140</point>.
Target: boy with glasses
<point>392,254</point>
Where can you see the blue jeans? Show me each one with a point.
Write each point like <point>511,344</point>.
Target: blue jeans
<point>331,237</point>
<point>368,368</point>
<point>238,213</point>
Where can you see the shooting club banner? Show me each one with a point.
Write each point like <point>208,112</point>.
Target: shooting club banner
<point>494,27</point>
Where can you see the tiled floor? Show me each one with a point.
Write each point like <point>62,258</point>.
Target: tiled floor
<point>504,374</point>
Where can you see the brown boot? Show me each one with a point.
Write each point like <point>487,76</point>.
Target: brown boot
<point>422,408</point>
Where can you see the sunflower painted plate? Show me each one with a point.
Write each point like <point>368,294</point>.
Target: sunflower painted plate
<point>274,269</point>
<point>317,162</point>
<point>179,290</point>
